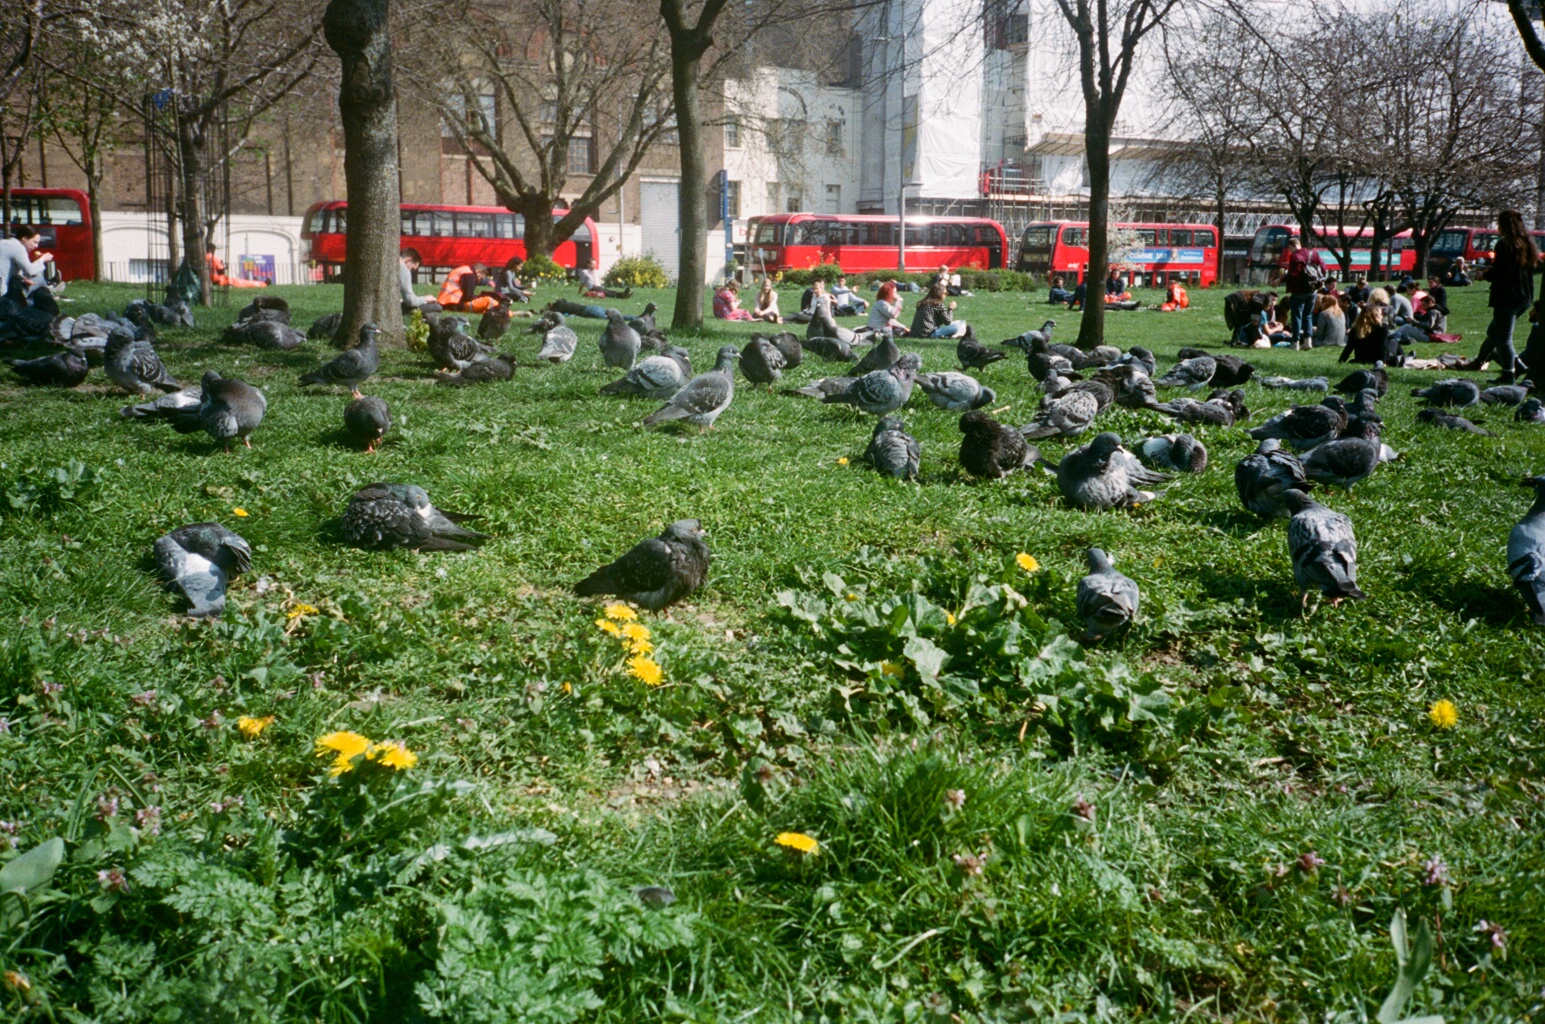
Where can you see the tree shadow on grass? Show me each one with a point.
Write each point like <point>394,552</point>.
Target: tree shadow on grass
<point>1466,598</point>
<point>1276,600</point>
<point>1235,523</point>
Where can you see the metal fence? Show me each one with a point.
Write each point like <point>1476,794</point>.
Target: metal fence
<point>156,271</point>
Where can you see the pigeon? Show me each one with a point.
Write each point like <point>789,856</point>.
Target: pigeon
<point>142,312</point>
<point>973,355</point>
<point>1376,378</point>
<point>388,516</point>
<point>644,323</point>
<point>351,367</point>
<point>1452,392</point>
<point>266,334</point>
<point>1054,383</point>
<point>788,343</point>
<point>1107,600</point>
<point>992,450</point>
<point>1264,478</point>
<point>228,410</point>
<point>367,419</point>
<point>1190,411</point>
<point>1507,394</point>
<point>655,573</point>
<point>892,451</point>
<point>1231,371</point>
<point>30,317</point>
<point>1532,411</point>
<point>1067,414</point>
<point>1173,453</point>
<point>1304,426</point>
<point>955,392</point>
<point>63,369</point>
<point>824,325</point>
<point>1039,359</point>
<point>1103,474</point>
<point>558,340</point>
<point>270,307</point>
<point>1189,373</point>
<point>1025,340</point>
<point>164,405</point>
<point>326,326</point>
<point>703,398</point>
<point>494,323</point>
<point>1190,352</point>
<point>1439,418</point>
<point>658,377</point>
<point>823,387</point>
<point>1138,356</point>
<point>1362,413</point>
<point>484,371</point>
<point>882,356</point>
<point>1104,394</point>
<point>133,365</point>
<point>619,342</point>
<point>761,362</point>
<point>882,391</point>
<point>1133,388</point>
<point>1296,384</point>
<point>199,559</point>
<point>1526,553</point>
<point>831,349</point>
<point>1323,549</point>
<point>1234,398</point>
<point>1347,460</point>
<point>451,348</point>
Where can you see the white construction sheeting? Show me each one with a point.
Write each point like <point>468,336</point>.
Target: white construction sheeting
<point>949,102</point>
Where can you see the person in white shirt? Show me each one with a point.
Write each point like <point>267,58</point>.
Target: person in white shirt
<point>16,258</point>
<point>848,303</point>
<point>591,285</point>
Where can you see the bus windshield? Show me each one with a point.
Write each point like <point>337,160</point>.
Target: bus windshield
<point>1268,245</point>
<point>769,234</point>
<point>1037,238</point>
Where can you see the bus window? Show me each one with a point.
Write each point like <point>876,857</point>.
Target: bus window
<point>407,223</point>
<point>474,225</point>
<point>338,222</point>
<point>442,223</point>
<point>1484,241</point>
<point>957,235</point>
<point>1268,245</point>
<point>1146,236</point>
<point>1449,242</point>
<point>882,233</point>
<point>581,235</point>
<point>56,210</point>
<point>811,232</point>
<point>1204,238</point>
<point>315,222</point>
<point>1075,237</point>
<point>1180,238</point>
<point>1036,239</point>
<point>769,234</point>
<point>504,225</point>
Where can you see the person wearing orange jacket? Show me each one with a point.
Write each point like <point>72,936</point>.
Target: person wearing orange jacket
<point>1175,298</point>
<point>460,283</point>
<point>219,278</point>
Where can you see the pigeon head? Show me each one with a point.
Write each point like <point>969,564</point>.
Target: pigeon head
<point>726,358</point>
<point>1105,445</point>
<point>684,529</point>
<point>368,335</point>
<point>1297,501</point>
<point>986,396</point>
<point>210,377</point>
<point>614,315</point>
<point>889,423</point>
<point>1099,561</point>
<point>1037,346</point>
<point>1268,446</point>
<point>910,362</point>
<point>1048,325</point>
<point>411,495</point>
<point>649,310</point>
<point>1335,402</point>
<point>120,339</point>
<point>977,423</point>
<point>1189,452</point>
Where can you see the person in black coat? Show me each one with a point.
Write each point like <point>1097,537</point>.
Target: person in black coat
<point>1369,340</point>
<point>1512,292</point>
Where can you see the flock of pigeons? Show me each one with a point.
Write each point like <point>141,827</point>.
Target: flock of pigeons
<point>1335,442</point>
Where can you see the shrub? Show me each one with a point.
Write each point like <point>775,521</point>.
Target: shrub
<point>541,267</point>
<point>416,330</point>
<point>827,272</point>
<point>637,272</point>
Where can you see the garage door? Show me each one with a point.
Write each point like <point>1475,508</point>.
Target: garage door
<point>660,218</point>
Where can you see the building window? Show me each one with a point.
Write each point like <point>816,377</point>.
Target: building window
<point>485,104</point>
<point>581,155</point>
<point>732,198</point>
<point>774,197</point>
<point>834,138</point>
<point>732,134</point>
<point>833,198</point>
<point>549,111</point>
<point>1007,23</point>
<point>795,202</point>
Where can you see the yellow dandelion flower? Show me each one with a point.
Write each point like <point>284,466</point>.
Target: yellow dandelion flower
<point>346,745</point>
<point>620,612</point>
<point>893,668</point>
<point>341,764</point>
<point>568,687</point>
<point>239,513</point>
<point>1026,562</point>
<point>302,609</point>
<point>949,618</point>
<point>640,647</point>
<point>251,727</point>
<point>609,627</point>
<point>1443,714</point>
<point>645,669</point>
<point>636,631</point>
<point>851,596</point>
<point>843,461</point>
<point>394,754</point>
<point>798,841</point>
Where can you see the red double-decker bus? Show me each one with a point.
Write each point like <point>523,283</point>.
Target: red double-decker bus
<point>858,242</point>
<point>444,236</point>
<point>1476,245</point>
<point>1397,257</point>
<point>63,219</point>
<point>1158,253</point>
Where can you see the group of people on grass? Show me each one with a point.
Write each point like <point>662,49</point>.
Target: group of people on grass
<point>1117,293</point>
<point>933,318</point>
<point>470,289</point>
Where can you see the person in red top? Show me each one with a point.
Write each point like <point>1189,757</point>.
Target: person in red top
<point>219,278</point>
<point>726,303</point>
<point>460,283</point>
<point>1302,274</point>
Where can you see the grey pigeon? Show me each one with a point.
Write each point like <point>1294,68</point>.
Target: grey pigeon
<point>658,377</point>
<point>955,392</point>
<point>882,391</point>
<point>1234,398</point>
<point>1296,384</point>
<point>267,307</point>
<point>823,387</point>
<point>199,559</point>
<point>1323,549</point>
<point>1305,426</point>
<point>228,410</point>
<point>1067,414</point>
<point>619,343</point>
<point>65,369</point>
<point>494,323</point>
<point>558,340</point>
<point>1053,383</point>
<point>451,348</point>
<point>1439,418</point>
<point>644,323</point>
<point>1039,359</point>
<point>788,343</point>
<point>1346,460</point>
<point>326,326</point>
<point>761,362</point>
<point>824,325</point>
<point>892,451</point>
<point>1507,394</point>
<point>882,356</point>
<point>831,349</point>
<point>1132,386</point>
<point>163,406</point>
<point>1231,371</point>
<point>389,516</point>
<point>1025,340</point>
<point>1189,373</point>
<point>1190,411</point>
<point>485,371</point>
<point>658,572</point>
<point>1376,378</point>
<point>1264,478</point>
<point>268,335</point>
<point>367,420</point>
<point>133,365</point>
<point>1454,392</point>
<point>142,311</point>
<point>992,450</point>
<point>1526,553</point>
<point>1532,411</point>
<point>973,355</point>
<point>1103,474</point>
<point>1173,453</point>
<point>1104,394</point>
<point>1139,356</point>
<point>703,398</point>
<point>351,367</point>
<point>1107,600</point>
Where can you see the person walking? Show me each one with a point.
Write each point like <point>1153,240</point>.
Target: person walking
<point>1512,292</point>
<point>1302,274</point>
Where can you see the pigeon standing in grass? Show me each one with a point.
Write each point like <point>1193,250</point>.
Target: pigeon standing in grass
<point>199,559</point>
<point>1348,460</point>
<point>658,377</point>
<point>351,367</point>
<point>1191,373</point>
<point>1305,426</point>
<point>1323,549</point>
<point>892,451</point>
<point>1532,411</point>
<point>1103,474</point>
<point>955,392</point>
<point>1067,414</point>
<point>326,326</point>
<point>1376,378</point>
<point>367,420</point>
<point>704,397</point>
<point>788,343</point>
<point>882,391</point>
<point>992,450</point>
<point>1454,392</point>
<point>761,362</point>
<point>658,572</point>
<point>1526,553</point>
<point>1231,371</point>
<point>389,516</point>
<point>1107,600</point>
<point>1439,418</point>
<point>1025,340</point>
<point>1264,478</point>
<point>451,348</point>
<point>228,410</point>
<point>1173,453</point>
<point>619,343</point>
<point>881,356</point>
<point>484,371</point>
<point>64,369</point>
<point>133,365</point>
<point>558,340</point>
<point>973,355</point>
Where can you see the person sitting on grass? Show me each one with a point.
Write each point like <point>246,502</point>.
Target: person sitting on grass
<point>767,303</point>
<point>847,301</point>
<point>1175,297</point>
<point>508,284</point>
<point>457,293</point>
<point>407,262</point>
<point>219,278</point>
<point>1058,294</point>
<point>726,303</point>
<point>885,311</point>
<point>1115,290</point>
<point>1330,326</point>
<point>591,285</point>
<point>1080,296</point>
<point>1457,274</point>
<point>1369,340</point>
<point>936,319</point>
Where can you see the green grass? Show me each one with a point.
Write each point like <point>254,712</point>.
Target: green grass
<point>1137,812</point>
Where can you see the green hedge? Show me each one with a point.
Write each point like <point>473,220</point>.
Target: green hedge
<point>971,280</point>
<point>539,267</point>
<point>637,272</point>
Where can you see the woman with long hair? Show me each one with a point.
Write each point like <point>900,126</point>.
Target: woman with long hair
<point>767,303</point>
<point>1330,327</point>
<point>884,314</point>
<point>1512,292</point>
<point>935,315</point>
<point>1368,341</point>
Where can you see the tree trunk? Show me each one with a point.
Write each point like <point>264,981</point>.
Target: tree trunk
<point>692,197</point>
<point>1219,217</point>
<point>538,211</point>
<point>190,144</point>
<point>359,32</point>
<point>1091,331</point>
<point>94,205</point>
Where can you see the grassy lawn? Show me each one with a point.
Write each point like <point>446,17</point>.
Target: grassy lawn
<point>1214,818</point>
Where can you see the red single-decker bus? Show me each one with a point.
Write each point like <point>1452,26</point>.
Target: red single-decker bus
<point>62,217</point>
<point>859,242</point>
<point>1149,254</point>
